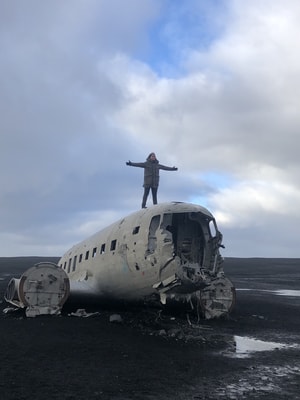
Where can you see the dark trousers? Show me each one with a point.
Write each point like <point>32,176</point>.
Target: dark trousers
<point>146,193</point>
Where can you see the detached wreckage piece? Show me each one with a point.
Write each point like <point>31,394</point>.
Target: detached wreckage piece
<point>169,252</point>
<point>42,289</point>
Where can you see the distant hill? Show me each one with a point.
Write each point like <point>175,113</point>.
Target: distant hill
<point>20,264</point>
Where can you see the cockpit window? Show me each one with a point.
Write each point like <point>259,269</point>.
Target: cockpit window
<point>212,228</point>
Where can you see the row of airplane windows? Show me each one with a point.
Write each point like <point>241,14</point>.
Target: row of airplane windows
<point>113,244</point>
<point>72,265</point>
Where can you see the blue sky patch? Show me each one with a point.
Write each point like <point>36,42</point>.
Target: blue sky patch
<point>181,27</point>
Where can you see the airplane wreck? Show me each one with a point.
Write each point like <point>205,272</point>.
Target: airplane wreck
<point>168,252</point>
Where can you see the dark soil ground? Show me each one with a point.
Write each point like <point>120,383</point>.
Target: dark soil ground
<point>154,354</point>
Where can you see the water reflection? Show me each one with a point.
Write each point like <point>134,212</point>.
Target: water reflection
<point>244,346</point>
<point>279,292</point>
<point>292,293</point>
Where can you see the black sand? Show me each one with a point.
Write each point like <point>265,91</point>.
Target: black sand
<point>156,355</point>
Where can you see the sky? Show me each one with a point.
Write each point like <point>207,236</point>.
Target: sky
<point>212,87</point>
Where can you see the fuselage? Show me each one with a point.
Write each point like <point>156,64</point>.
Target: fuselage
<point>168,249</point>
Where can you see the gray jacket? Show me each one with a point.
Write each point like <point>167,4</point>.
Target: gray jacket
<point>151,171</point>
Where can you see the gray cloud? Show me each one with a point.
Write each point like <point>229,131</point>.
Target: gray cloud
<point>77,102</point>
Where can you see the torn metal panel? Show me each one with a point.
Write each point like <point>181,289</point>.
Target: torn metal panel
<point>218,298</point>
<point>12,293</point>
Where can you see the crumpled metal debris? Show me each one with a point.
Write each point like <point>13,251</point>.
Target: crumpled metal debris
<point>10,310</point>
<point>81,312</point>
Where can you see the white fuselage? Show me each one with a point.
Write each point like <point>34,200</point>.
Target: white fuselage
<point>167,248</point>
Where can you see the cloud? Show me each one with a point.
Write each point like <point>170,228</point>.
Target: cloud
<point>211,88</point>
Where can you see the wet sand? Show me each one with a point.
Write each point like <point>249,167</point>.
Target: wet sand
<point>153,354</point>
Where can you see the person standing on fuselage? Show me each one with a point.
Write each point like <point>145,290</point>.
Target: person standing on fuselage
<point>151,176</point>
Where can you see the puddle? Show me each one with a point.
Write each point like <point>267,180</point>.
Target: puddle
<point>273,381</point>
<point>291,293</point>
<point>243,347</point>
<point>281,292</point>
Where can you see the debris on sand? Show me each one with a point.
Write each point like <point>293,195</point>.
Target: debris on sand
<point>81,312</point>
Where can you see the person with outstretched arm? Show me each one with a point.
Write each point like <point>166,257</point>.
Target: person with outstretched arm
<point>151,176</point>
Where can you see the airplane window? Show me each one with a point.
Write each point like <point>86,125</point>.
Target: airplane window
<point>69,265</point>
<point>94,251</point>
<point>87,255</point>
<point>136,230</point>
<point>212,228</point>
<point>113,245</point>
<point>74,263</point>
<point>102,250</point>
<point>80,258</point>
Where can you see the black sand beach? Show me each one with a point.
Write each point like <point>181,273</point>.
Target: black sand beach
<point>152,354</point>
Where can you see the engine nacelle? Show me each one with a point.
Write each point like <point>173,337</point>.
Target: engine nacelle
<point>42,289</point>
